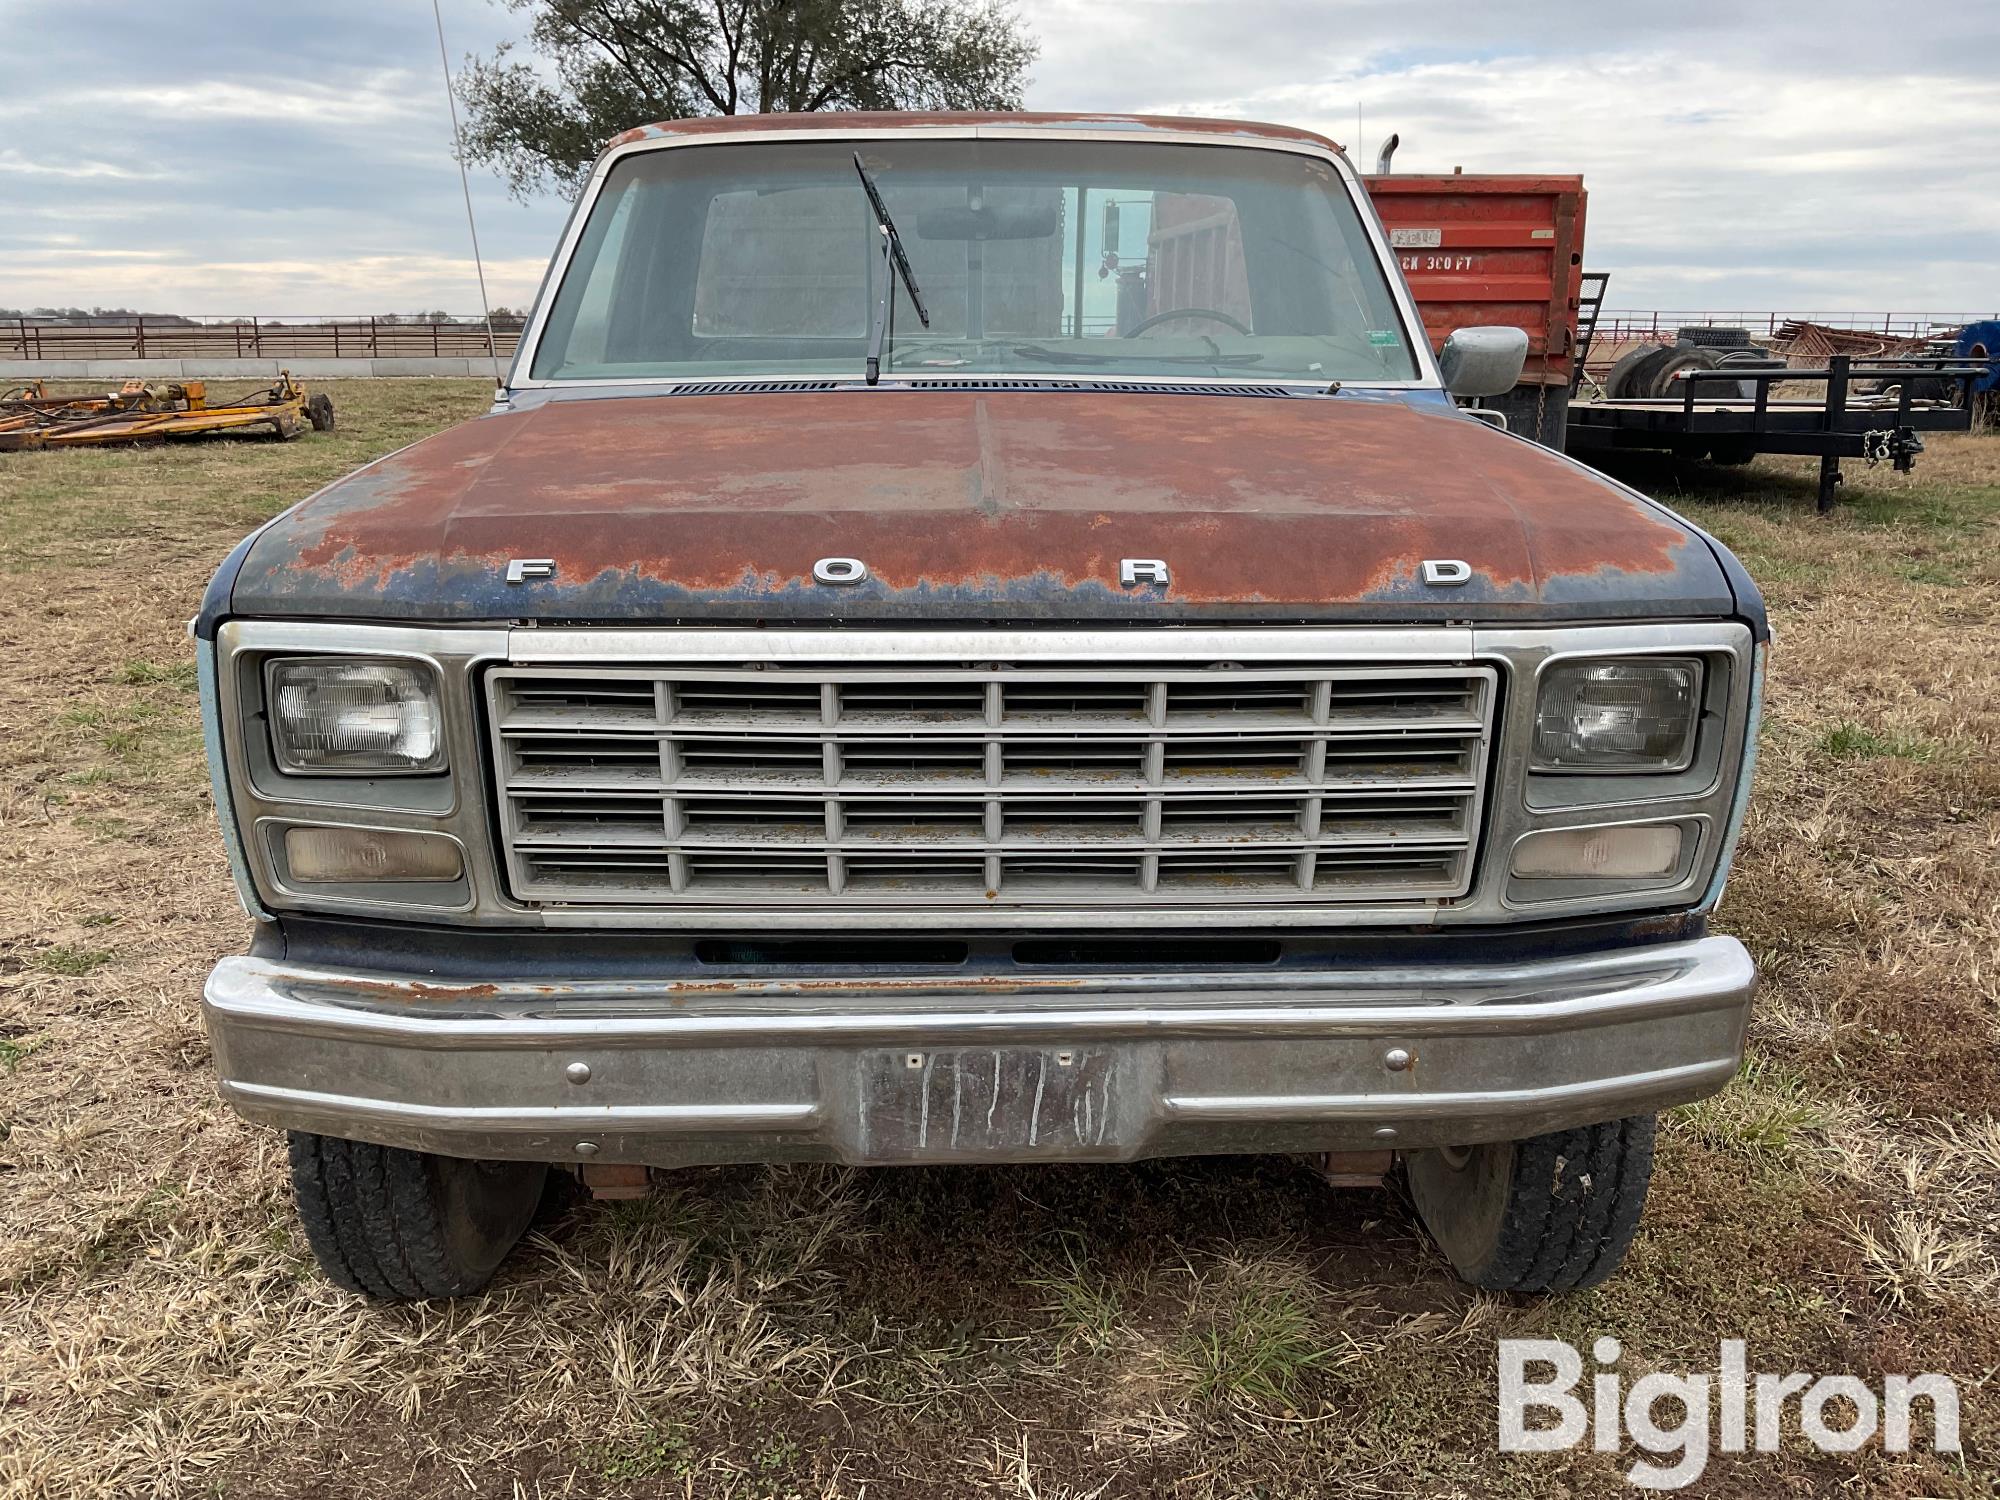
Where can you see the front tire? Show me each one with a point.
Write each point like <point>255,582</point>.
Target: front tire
<point>403,1225</point>
<point>1553,1213</point>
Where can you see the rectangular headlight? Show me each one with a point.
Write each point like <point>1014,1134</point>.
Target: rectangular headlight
<point>342,715</point>
<point>1620,714</point>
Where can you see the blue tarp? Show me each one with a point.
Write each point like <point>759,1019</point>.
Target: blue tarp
<point>1982,341</point>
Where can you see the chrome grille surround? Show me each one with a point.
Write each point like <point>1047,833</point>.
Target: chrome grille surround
<point>464,803</point>
<point>823,784</point>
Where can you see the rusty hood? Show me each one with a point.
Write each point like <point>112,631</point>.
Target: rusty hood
<point>973,504</point>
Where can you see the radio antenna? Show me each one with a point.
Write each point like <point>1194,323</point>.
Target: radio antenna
<point>465,186</point>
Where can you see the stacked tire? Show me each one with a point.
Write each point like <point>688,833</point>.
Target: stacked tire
<point>1647,374</point>
<point>1709,336</point>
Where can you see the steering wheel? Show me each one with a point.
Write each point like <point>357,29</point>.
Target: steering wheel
<point>1185,312</point>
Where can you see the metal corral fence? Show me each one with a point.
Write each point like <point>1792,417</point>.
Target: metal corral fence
<point>1627,324</point>
<point>341,337</point>
<point>256,338</point>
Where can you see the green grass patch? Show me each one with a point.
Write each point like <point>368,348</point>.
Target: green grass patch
<point>71,963</point>
<point>778,1455</point>
<point>1257,1347</point>
<point>141,737</point>
<point>652,1453</point>
<point>182,675</point>
<point>1768,1110</point>
<point>1929,571</point>
<point>1933,508</point>
<point>1851,741</point>
<point>1087,1306</point>
<point>16,1050</point>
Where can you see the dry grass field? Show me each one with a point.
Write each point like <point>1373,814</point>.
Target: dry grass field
<point>1224,1328</point>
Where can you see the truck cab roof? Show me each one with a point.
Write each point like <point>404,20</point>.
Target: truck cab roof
<point>857,122</point>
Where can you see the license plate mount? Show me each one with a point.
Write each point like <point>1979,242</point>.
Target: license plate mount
<point>991,1103</point>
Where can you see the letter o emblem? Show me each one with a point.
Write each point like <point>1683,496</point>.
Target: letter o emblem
<point>840,570</point>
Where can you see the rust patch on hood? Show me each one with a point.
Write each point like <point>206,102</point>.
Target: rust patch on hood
<point>971,504</point>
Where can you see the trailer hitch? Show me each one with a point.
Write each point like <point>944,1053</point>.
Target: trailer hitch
<point>1896,446</point>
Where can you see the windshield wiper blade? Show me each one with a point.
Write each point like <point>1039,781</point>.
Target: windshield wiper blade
<point>892,256</point>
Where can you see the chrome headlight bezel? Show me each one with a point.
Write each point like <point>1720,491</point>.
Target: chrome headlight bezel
<point>267,799</point>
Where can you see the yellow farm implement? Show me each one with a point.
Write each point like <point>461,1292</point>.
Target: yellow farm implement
<point>139,413</point>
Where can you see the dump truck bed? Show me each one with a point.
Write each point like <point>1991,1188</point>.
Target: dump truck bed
<point>1497,250</point>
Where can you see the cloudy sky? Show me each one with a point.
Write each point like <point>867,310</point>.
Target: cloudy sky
<point>1819,155</point>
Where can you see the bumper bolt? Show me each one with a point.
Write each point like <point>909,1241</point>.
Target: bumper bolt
<point>577,1072</point>
<point>586,1148</point>
<point>1386,1133</point>
<point>1396,1059</point>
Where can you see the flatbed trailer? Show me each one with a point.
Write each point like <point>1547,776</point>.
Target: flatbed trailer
<point>1883,426</point>
<point>1481,250</point>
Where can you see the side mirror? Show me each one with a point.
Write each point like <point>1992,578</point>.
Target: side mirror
<point>1483,361</point>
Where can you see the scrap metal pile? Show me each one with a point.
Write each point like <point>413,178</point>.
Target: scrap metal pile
<point>1808,343</point>
<point>139,413</point>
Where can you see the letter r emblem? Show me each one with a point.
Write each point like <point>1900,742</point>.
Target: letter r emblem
<point>1133,571</point>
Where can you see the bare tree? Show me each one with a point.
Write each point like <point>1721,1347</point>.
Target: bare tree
<point>613,64</point>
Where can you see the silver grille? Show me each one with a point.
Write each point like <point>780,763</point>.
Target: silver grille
<point>1196,784</point>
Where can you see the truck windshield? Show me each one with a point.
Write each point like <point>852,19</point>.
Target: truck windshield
<point>1036,257</point>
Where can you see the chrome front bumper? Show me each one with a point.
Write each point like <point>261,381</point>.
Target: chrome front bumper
<point>1097,1067</point>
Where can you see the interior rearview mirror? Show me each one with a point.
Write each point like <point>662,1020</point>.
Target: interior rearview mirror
<point>1035,221</point>
<point>1483,361</point>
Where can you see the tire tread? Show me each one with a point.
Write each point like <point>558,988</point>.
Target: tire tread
<point>380,1218</point>
<point>374,1219</point>
<point>323,1185</point>
<point>1572,1208</point>
<point>414,1203</point>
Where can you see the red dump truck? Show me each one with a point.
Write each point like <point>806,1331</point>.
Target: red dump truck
<point>1506,251</point>
<point>1496,251</point>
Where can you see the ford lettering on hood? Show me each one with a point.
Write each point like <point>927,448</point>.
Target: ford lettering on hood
<point>972,504</point>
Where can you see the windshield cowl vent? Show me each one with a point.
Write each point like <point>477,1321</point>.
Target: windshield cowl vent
<point>753,387</point>
<point>1103,387</point>
<point>976,383</point>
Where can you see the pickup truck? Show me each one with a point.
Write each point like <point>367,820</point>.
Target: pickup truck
<point>977,638</point>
